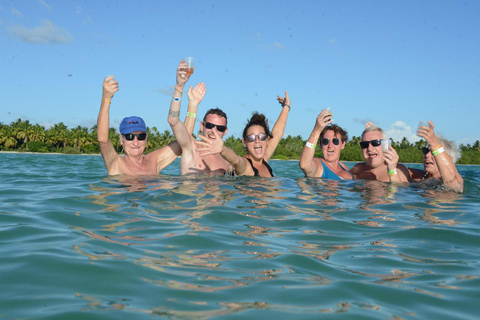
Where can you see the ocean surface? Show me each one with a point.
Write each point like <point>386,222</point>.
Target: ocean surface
<point>77,244</point>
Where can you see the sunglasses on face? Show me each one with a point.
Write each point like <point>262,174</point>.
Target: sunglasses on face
<point>325,141</point>
<point>252,137</point>
<point>210,125</point>
<point>131,136</point>
<point>425,151</point>
<point>375,143</point>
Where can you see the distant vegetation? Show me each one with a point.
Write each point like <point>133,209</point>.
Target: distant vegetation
<point>24,136</point>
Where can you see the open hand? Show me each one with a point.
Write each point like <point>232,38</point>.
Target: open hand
<point>195,95</point>
<point>210,146</point>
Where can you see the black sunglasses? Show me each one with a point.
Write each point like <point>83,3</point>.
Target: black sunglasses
<point>375,143</point>
<point>425,150</point>
<point>210,125</point>
<point>252,137</point>
<point>131,136</point>
<point>326,141</point>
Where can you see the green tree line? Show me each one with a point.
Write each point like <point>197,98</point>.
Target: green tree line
<point>24,136</point>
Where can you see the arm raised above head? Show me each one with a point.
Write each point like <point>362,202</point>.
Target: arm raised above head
<point>182,131</point>
<point>446,166</point>
<point>307,162</point>
<point>279,126</point>
<point>110,86</point>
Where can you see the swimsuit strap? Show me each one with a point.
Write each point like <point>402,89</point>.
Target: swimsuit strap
<point>255,171</point>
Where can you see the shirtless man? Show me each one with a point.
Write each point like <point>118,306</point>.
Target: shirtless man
<point>192,162</point>
<point>133,137</point>
<point>379,165</point>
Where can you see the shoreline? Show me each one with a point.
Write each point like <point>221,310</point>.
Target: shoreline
<point>98,155</point>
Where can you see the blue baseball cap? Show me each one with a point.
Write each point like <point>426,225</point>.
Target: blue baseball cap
<point>132,124</point>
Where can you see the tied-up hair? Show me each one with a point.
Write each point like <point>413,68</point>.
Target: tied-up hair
<point>258,119</point>
<point>336,130</point>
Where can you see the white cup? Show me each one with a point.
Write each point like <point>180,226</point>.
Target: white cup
<point>385,144</point>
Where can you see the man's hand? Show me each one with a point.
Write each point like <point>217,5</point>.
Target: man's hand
<point>110,86</point>
<point>182,76</point>
<point>195,95</point>
<point>208,146</point>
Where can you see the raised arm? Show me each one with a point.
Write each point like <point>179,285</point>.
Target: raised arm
<point>309,166</point>
<point>450,176</point>
<point>182,131</point>
<point>279,127</point>
<point>110,86</point>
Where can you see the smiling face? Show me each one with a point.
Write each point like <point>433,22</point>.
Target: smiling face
<point>217,120</point>
<point>331,152</point>
<point>373,155</point>
<point>134,147</point>
<point>256,148</point>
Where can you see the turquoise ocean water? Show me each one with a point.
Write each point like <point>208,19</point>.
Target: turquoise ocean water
<point>77,244</point>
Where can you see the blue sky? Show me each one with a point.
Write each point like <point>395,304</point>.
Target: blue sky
<point>391,62</point>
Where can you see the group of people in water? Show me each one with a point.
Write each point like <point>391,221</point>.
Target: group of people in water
<point>210,157</point>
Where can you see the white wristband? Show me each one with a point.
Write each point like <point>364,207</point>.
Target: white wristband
<point>310,145</point>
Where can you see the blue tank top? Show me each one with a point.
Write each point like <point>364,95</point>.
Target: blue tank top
<point>329,174</point>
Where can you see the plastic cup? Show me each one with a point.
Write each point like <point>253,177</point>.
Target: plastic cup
<point>385,144</point>
<point>191,65</point>
<point>422,124</point>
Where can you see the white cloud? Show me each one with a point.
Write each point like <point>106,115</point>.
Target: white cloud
<point>47,32</point>
<point>43,3</point>
<point>399,130</point>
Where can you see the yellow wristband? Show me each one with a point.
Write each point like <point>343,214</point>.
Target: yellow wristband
<point>106,100</point>
<point>191,114</point>
<point>438,147</point>
<point>181,92</point>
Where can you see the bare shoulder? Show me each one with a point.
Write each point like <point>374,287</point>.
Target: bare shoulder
<point>357,168</point>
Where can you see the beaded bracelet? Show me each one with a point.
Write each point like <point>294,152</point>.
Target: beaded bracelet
<point>191,114</point>
<point>436,152</point>
<point>310,145</point>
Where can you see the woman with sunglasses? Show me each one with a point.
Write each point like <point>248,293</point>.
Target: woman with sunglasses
<point>332,141</point>
<point>438,160</point>
<point>257,138</point>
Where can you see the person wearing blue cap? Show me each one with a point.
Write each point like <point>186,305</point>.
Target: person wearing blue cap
<point>133,137</point>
